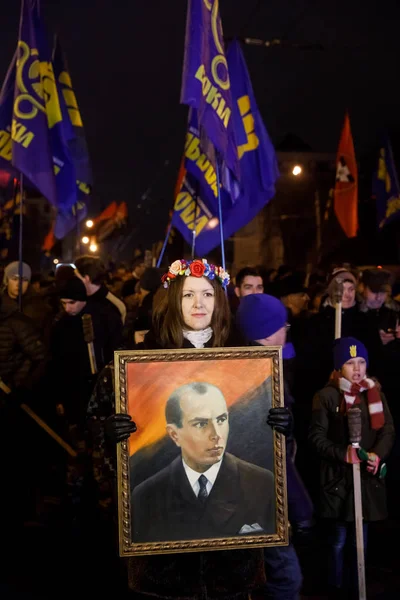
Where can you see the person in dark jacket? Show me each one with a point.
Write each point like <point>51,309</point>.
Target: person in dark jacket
<point>22,353</point>
<point>34,305</point>
<point>138,318</point>
<point>22,364</point>
<point>193,314</point>
<point>329,436</point>
<point>92,272</point>
<point>262,320</point>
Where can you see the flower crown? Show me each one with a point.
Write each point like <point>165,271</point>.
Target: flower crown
<point>195,268</point>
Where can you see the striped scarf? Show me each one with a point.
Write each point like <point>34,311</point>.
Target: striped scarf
<point>351,397</point>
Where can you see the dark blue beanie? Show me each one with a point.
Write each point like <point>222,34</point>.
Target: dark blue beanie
<point>347,348</point>
<point>260,315</point>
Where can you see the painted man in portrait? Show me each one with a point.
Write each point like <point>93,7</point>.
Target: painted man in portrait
<point>205,491</point>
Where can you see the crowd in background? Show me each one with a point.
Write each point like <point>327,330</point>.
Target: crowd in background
<point>51,361</point>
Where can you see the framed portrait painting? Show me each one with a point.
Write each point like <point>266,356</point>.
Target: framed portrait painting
<point>203,471</point>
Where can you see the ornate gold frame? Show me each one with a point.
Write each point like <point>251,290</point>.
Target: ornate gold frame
<point>281,537</point>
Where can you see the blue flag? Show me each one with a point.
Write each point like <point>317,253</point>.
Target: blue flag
<point>206,84</point>
<point>33,137</point>
<point>67,220</point>
<point>196,207</point>
<point>386,186</point>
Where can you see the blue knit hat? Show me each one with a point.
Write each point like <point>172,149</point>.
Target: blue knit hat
<point>347,348</point>
<point>260,315</point>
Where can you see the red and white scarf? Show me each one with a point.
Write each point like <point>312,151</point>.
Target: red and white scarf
<point>351,393</point>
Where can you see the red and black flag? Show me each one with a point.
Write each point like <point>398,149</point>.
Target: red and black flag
<point>346,186</point>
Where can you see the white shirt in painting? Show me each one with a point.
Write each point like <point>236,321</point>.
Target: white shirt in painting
<point>193,476</point>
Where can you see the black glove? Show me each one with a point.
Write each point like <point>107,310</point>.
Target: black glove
<point>281,420</point>
<point>119,427</point>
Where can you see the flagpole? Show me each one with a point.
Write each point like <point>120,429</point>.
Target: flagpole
<point>164,245</point>
<point>221,228</point>
<point>20,268</point>
<point>194,224</point>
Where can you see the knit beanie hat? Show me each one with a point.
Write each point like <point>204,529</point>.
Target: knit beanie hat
<point>343,274</point>
<point>347,348</point>
<point>73,289</point>
<point>260,315</point>
<point>12,270</point>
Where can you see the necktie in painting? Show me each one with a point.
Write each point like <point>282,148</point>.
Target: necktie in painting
<point>203,494</point>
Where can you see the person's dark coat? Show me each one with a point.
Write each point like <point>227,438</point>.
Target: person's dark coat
<point>165,507</point>
<point>113,314</point>
<point>37,309</point>
<point>329,437</point>
<point>22,352</point>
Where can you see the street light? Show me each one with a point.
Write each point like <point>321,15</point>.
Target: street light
<point>297,170</point>
<point>93,247</point>
<point>56,261</point>
<point>85,239</point>
<point>89,223</point>
<point>213,223</point>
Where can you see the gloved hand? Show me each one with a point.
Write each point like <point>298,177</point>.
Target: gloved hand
<point>373,463</point>
<point>353,455</point>
<point>119,427</point>
<point>281,420</point>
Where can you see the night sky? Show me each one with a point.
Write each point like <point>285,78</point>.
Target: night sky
<point>125,59</point>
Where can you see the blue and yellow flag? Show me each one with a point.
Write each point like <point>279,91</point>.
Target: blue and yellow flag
<point>34,137</point>
<point>196,206</point>
<point>206,86</point>
<point>68,220</point>
<point>386,186</point>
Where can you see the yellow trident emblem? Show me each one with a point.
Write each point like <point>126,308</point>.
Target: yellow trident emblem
<point>353,351</point>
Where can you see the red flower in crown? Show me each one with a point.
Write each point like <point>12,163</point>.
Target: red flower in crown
<point>197,268</point>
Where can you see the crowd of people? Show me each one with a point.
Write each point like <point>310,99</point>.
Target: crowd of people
<point>58,334</point>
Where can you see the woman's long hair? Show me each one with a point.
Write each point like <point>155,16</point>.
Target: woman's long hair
<point>168,320</point>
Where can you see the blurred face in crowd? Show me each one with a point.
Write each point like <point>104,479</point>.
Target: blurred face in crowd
<point>374,299</point>
<point>139,270</point>
<point>354,370</point>
<point>198,299</point>
<point>276,339</point>
<point>349,294</point>
<point>13,286</point>
<point>205,429</point>
<point>72,307</point>
<point>251,284</point>
<point>296,302</point>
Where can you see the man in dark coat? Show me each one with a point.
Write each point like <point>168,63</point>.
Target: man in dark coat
<point>205,492</point>
<point>22,353</point>
<point>92,273</point>
<point>22,362</point>
<point>34,305</point>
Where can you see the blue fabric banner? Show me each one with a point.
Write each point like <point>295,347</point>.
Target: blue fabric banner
<point>206,84</point>
<point>386,186</point>
<point>68,220</point>
<point>33,135</point>
<point>196,206</point>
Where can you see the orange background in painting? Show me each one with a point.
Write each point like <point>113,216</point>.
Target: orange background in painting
<point>151,384</point>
